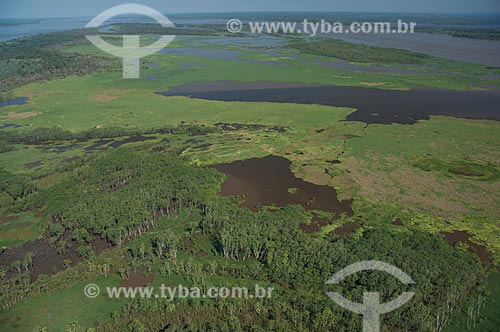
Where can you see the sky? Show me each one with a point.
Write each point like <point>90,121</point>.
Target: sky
<point>80,8</point>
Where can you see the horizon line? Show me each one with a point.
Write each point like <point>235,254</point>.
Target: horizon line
<point>281,12</point>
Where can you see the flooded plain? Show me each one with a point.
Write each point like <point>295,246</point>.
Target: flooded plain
<point>46,259</point>
<point>372,105</point>
<point>216,54</point>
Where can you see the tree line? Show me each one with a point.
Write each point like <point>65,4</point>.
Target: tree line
<point>359,53</point>
<point>43,134</point>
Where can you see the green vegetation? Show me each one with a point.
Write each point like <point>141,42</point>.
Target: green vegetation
<point>37,58</point>
<point>15,186</point>
<point>465,33</point>
<point>304,308</point>
<point>19,231</point>
<point>101,199</point>
<point>463,168</point>
<point>481,312</point>
<point>115,177</point>
<point>360,53</point>
<point>91,200</point>
<point>56,55</point>
<point>60,309</point>
<point>42,135</point>
<point>155,29</point>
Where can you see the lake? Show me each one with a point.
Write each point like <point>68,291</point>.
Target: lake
<point>269,181</point>
<point>372,105</point>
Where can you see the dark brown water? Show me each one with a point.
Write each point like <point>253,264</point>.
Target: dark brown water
<point>267,181</point>
<point>453,238</point>
<point>46,259</point>
<point>34,164</point>
<point>98,145</point>
<point>372,105</point>
<point>132,139</point>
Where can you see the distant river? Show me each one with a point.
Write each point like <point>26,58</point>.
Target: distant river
<point>18,29</point>
<point>485,52</point>
<point>21,28</point>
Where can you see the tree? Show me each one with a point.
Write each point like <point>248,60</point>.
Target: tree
<point>17,264</point>
<point>136,326</point>
<point>56,230</point>
<point>28,260</point>
<point>3,272</point>
<point>63,246</point>
<point>67,263</point>
<point>74,327</point>
<point>84,251</point>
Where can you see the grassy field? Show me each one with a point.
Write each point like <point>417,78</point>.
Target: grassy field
<point>19,231</point>
<point>60,309</point>
<point>105,99</point>
<point>482,313</point>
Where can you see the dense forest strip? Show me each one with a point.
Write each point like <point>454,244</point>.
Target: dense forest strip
<point>485,34</point>
<point>359,52</point>
<point>39,58</point>
<point>42,134</point>
<point>156,29</point>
